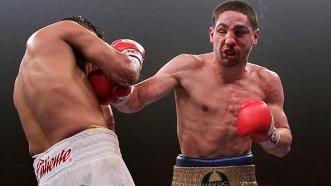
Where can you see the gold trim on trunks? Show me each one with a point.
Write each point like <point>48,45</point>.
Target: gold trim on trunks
<point>218,176</point>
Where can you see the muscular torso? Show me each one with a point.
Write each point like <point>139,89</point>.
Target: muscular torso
<point>53,97</point>
<point>207,107</point>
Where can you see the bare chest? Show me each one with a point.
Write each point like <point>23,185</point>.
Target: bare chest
<point>211,96</point>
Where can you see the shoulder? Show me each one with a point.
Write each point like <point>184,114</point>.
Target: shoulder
<point>185,58</point>
<point>60,26</point>
<point>55,34</point>
<point>264,74</point>
<point>187,62</point>
<point>269,82</point>
<point>54,31</point>
<point>180,66</point>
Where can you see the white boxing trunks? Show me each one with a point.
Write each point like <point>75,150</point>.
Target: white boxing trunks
<point>89,158</point>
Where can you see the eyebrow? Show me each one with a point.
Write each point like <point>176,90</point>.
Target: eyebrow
<point>222,25</point>
<point>235,27</point>
<point>240,27</point>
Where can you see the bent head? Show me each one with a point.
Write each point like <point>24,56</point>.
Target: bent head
<point>86,24</point>
<point>234,32</point>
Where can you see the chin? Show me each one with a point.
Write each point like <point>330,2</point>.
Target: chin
<point>228,63</point>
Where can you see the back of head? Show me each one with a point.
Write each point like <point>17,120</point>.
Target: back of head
<point>238,6</point>
<point>85,23</point>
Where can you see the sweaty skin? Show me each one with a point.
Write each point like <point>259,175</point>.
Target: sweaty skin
<point>209,89</point>
<point>52,95</point>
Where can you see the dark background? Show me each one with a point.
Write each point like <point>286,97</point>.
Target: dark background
<point>295,42</point>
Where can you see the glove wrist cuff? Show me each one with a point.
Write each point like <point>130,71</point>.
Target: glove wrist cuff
<point>272,141</point>
<point>122,99</point>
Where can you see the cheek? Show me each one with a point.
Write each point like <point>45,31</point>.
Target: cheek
<point>218,41</point>
<point>245,43</point>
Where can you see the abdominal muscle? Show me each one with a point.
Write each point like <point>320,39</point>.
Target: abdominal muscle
<point>206,126</point>
<point>210,137</point>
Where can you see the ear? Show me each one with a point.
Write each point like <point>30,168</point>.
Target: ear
<point>211,34</point>
<point>256,35</point>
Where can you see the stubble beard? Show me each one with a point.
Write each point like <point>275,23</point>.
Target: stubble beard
<point>229,63</point>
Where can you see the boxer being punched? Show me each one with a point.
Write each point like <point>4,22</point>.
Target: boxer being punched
<point>69,131</point>
<point>223,102</point>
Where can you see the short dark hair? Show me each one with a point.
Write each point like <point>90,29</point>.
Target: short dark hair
<point>238,6</point>
<point>80,20</point>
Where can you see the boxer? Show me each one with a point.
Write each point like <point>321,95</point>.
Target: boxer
<point>69,131</point>
<point>223,103</point>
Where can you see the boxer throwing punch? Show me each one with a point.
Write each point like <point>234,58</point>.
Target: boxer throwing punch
<point>68,129</point>
<point>223,103</point>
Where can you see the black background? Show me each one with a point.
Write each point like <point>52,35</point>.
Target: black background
<point>295,42</point>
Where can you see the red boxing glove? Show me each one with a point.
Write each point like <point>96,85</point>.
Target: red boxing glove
<point>255,120</point>
<point>134,50</point>
<point>101,85</point>
<point>106,90</point>
<point>136,53</point>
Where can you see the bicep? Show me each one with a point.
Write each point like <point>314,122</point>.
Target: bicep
<point>165,80</point>
<point>279,116</point>
<point>156,87</point>
<point>275,101</point>
<point>147,92</point>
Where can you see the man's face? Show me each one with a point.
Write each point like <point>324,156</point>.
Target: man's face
<point>232,38</point>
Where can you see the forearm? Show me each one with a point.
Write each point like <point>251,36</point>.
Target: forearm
<point>117,67</point>
<point>148,91</point>
<point>284,144</point>
<point>134,56</point>
<point>112,63</point>
<point>127,108</point>
<point>132,104</point>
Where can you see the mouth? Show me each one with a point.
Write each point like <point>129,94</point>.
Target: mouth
<point>229,54</point>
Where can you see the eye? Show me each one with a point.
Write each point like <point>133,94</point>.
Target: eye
<point>221,30</point>
<point>240,32</point>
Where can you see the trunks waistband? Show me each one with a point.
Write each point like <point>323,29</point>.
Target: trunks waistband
<point>85,146</point>
<point>95,126</point>
<point>214,176</point>
<point>239,160</point>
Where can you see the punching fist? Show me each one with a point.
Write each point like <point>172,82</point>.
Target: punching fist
<point>131,48</point>
<point>255,120</point>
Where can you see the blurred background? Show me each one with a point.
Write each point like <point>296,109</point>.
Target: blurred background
<point>295,42</point>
